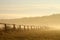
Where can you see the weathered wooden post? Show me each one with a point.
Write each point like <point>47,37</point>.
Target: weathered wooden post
<point>19,28</point>
<point>14,28</point>
<point>5,28</point>
<point>24,27</point>
<point>28,27</point>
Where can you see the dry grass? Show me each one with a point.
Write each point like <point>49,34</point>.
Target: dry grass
<point>30,35</point>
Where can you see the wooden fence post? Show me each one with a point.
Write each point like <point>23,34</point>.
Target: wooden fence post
<point>14,28</point>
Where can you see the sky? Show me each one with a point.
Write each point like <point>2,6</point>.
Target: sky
<point>10,9</point>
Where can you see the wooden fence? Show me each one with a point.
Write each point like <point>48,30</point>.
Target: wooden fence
<point>6,26</point>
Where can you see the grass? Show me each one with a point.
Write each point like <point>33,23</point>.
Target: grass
<point>30,35</point>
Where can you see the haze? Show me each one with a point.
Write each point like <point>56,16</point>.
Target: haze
<point>28,8</point>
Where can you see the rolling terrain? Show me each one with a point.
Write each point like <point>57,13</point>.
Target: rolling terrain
<point>52,22</point>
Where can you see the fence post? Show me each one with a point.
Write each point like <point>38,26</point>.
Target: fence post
<point>24,27</point>
<point>5,28</point>
<point>19,28</point>
<point>14,28</point>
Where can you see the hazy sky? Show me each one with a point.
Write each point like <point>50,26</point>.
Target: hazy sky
<point>28,8</point>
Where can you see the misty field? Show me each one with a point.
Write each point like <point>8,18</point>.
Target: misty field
<point>30,35</point>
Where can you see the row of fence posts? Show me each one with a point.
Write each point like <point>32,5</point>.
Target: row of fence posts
<point>21,27</point>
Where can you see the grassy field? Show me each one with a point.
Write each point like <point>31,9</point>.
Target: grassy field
<point>30,35</point>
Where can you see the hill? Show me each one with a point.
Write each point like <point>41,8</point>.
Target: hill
<point>52,20</point>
